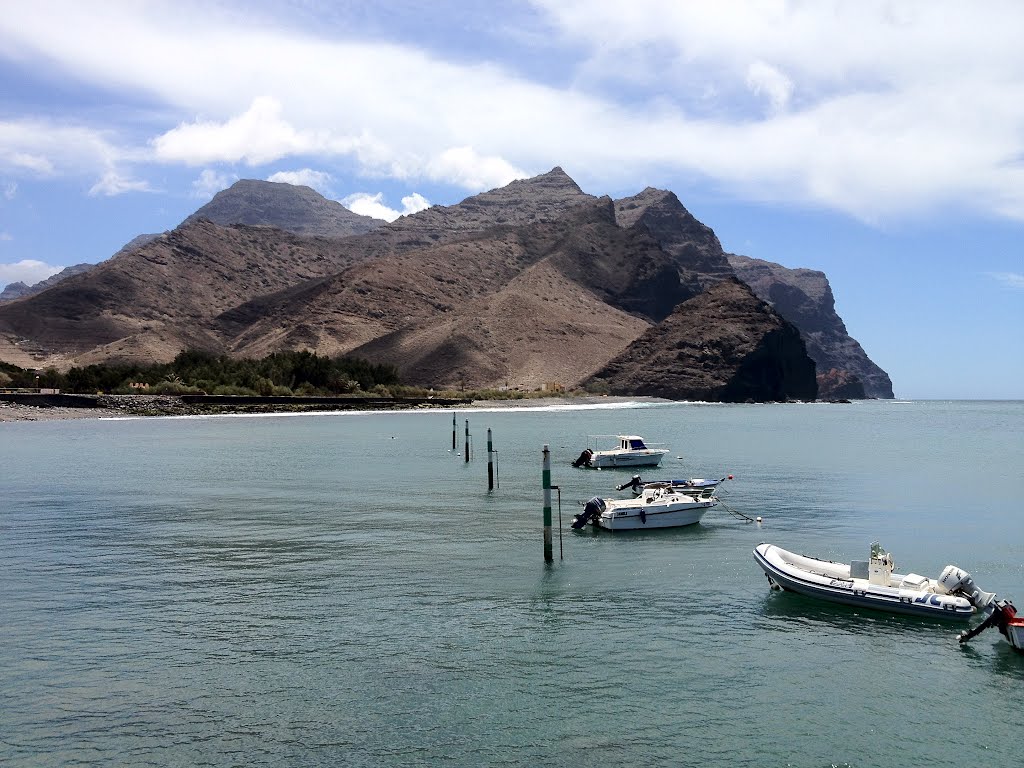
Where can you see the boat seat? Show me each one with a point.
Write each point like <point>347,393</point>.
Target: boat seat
<point>913,581</point>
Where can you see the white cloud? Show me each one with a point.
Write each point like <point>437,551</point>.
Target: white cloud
<point>27,271</point>
<point>306,177</point>
<point>414,203</point>
<point>366,204</point>
<point>465,167</point>
<point>211,182</point>
<point>876,109</point>
<point>27,161</point>
<point>765,79</point>
<point>257,136</point>
<point>113,183</point>
<point>10,190</point>
<point>6,237</point>
<point>1009,279</point>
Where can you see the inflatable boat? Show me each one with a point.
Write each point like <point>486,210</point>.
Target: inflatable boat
<point>872,583</point>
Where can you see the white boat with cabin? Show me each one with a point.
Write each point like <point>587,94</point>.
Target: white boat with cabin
<point>632,451</point>
<point>658,508</point>
<point>872,583</point>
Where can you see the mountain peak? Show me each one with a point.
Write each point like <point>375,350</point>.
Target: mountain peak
<point>297,209</point>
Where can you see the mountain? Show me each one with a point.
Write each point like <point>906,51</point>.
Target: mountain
<point>290,207</point>
<point>150,303</point>
<point>724,345</point>
<point>533,283</point>
<point>18,290</point>
<point>542,304</point>
<point>804,297</point>
<point>694,246</point>
<point>15,290</point>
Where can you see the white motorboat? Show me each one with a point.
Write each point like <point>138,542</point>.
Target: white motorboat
<point>697,487</point>
<point>631,452</point>
<point>656,508</point>
<point>872,584</point>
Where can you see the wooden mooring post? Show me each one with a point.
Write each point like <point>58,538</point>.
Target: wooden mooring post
<point>467,441</point>
<point>453,432</point>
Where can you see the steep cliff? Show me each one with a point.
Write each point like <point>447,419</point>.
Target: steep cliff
<point>804,297</point>
<point>725,345</point>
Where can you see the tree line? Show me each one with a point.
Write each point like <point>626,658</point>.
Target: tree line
<point>195,371</point>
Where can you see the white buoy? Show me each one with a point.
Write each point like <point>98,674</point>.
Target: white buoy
<point>759,518</point>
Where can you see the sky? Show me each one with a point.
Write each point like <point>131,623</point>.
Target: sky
<point>879,142</point>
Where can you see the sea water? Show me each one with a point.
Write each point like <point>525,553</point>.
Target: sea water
<point>342,589</point>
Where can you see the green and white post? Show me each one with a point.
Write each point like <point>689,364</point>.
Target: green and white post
<point>548,554</point>
<point>490,462</point>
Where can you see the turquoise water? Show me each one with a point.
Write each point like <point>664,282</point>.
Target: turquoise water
<point>342,590</point>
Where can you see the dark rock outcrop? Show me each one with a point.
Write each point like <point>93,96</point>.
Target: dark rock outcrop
<point>804,297</point>
<point>725,345</point>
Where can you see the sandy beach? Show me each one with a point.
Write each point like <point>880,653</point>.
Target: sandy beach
<point>143,405</point>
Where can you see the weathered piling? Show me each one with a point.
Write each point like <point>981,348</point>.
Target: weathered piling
<point>453,432</point>
<point>490,461</point>
<point>546,480</point>
<point>467,441</point>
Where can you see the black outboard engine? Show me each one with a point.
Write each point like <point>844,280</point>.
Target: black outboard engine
<point>635,484</point>
<point>591,510</point>
<point>1003,612</point>
<point>584,459</point>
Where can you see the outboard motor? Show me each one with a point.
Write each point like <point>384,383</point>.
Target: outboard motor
<point>584,459</point>
<point>1003,612</point>
<point>635,484</point>
<point>591,510</point>
<point>956,581</point>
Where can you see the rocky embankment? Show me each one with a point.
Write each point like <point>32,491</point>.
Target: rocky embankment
<point>33,407</point>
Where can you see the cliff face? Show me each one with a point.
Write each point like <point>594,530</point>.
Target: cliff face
<point>804,297</point>
<point>724,345</point>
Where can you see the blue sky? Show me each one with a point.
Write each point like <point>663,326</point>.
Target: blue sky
<point>880,142</point>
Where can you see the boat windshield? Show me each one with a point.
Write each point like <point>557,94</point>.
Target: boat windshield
<point>636,444</point>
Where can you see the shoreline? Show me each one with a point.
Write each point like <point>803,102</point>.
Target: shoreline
<point>145,406</point>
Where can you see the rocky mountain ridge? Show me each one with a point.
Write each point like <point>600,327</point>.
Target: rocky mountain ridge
<point>530,284</point>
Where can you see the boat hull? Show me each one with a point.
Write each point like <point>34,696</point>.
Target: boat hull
<point>630,518</point>
<point>1015,634</point>
<point>611,459</point>
<point>857,592</point>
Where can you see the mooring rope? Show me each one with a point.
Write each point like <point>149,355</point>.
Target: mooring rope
<point>736,513</point>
